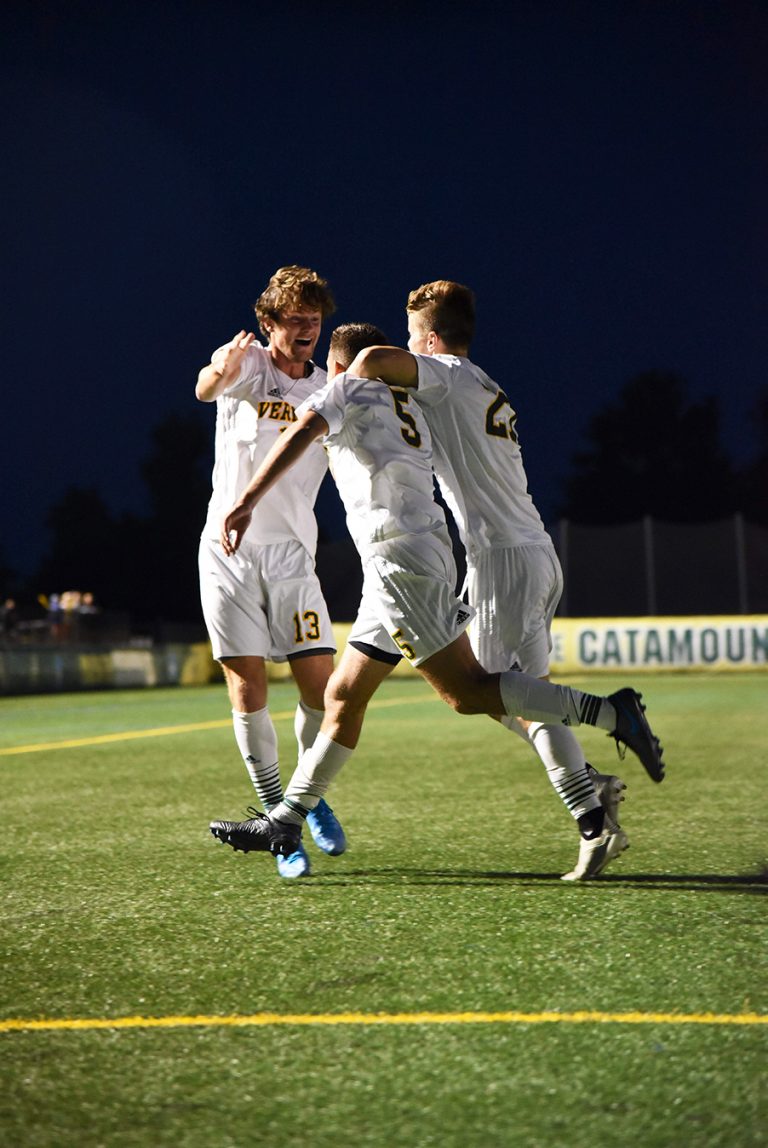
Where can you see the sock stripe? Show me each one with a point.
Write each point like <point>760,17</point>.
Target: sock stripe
<point>575,795</point>
<point>589,709</point>
<point>296,807</point>
<point>576,791</point>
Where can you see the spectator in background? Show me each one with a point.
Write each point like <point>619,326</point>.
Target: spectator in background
<point>70,606</point>
<point>55,616</point>
<point>9,616</point>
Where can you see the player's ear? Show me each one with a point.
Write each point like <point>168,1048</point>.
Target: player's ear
<point>432,341</point>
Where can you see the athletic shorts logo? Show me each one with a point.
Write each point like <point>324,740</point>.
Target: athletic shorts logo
<point>462,616</point>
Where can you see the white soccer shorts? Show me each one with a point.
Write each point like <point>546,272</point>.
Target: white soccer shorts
<point>264,601</point>
<point>515,592</point>
<point>409,605</point>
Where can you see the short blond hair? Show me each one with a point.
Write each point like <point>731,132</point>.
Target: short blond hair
<point>293,288</point>
<point>447,308</point>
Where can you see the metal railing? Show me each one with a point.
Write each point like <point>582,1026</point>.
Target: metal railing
<point>653,568</point>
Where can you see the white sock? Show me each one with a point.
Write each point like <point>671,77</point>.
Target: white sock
<point>542,701</point>
<point>306,726</point>
<point>311,779</point>
<point>257,741</point>
<point>566,767</point>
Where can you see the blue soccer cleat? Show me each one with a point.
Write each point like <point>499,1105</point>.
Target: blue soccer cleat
<point>326,830</point>
<point>295,864</point>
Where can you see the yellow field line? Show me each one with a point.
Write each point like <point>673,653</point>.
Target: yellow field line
<point>267,1019</point>
<point>103,738</point>
<point>165,731</point>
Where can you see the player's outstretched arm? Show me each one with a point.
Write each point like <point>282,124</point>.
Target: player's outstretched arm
<point>217,376</point>
<point>284,454</point>
<point>392,365</point>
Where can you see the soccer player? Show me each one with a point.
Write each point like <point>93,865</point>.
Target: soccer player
<point>381,459</point>
<point>514,579</point>
<point>267,602</point>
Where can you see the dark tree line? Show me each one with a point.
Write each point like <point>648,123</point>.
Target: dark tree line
<point>145,566</point>
<point>652,452</point>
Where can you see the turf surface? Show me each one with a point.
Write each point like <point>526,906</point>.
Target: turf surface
<point>118,904</point>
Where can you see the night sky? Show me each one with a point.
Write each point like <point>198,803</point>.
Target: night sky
<point>597,172</point>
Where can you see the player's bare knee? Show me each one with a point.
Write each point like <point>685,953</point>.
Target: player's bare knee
<point>460,703</point>
<point>467,705</point>
<point>344,713</point>
<point>472,698</point>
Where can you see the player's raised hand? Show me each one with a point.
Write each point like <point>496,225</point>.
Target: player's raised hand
<point>234,351</point>
<point>233,528</point>
<point>224,368</point>
<point>243,340</point>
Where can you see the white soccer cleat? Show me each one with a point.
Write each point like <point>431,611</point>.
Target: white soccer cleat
<point>610,790</point>
<point>596,853</point>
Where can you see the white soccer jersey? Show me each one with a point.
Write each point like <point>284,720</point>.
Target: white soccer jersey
<point>477,458</point>
<point>380,454</point>
<point>250,415</point>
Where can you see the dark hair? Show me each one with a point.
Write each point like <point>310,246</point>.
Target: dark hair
<point>348,340</point>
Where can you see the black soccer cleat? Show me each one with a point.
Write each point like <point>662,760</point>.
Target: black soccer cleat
<point>632,730</point>
<point>258,834</point>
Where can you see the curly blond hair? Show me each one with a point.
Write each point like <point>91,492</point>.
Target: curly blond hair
<point>293,288</point>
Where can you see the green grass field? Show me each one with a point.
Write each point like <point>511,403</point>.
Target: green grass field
<point>423,989</point>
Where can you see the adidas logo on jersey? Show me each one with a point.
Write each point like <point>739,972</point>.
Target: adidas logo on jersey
<point>276,393</point>
<point>462,616</point>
